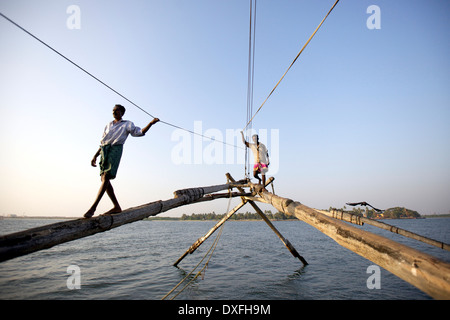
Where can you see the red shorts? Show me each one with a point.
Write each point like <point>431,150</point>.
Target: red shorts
<point>261,167</point>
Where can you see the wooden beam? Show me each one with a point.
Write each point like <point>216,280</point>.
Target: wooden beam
<point>196,193</point>
<point>32,240</point>
<point>209,197</point>
<point>344,216</point>
<point>424,271</point>
<point>352,218</point>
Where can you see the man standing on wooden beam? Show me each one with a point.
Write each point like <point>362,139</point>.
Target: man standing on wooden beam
<point>111,146</point>
<point>261,156</point>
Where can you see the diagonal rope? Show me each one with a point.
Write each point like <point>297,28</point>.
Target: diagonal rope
<point>213,247</point>
<point>298,55</point>
<point>203,269</point>
<point>109,87</point>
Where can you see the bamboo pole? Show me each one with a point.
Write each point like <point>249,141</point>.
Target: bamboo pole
<point>32,240</point>
<point>344,216</point>
<point>196,193</point>
<point>226,195</point>
<point>352,218</point>
<point>424,271</point>
<point>285,241</point>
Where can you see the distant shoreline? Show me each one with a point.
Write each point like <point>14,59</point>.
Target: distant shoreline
<point>180,219</point>
<point>287,220</point>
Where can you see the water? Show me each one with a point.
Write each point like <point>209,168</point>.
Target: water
<point>249,263</point>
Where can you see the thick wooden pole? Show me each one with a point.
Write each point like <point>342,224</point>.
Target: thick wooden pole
<point>196,193</point>
<point>425,272</point>
<point>344,216</point>
<point>32,240</point>
<point>352,218</point>
<point>285,241</point>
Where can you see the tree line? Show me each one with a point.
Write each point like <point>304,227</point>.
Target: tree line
<point>238,216</point>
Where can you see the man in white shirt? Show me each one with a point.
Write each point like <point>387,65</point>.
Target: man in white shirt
<point>111,145</point>
<point>261,156</point>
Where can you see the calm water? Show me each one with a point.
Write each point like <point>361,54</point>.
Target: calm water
<point>250,262</point>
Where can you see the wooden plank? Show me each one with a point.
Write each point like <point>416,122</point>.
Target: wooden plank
<point>32,240</point>
<point>424,271</point>
<point>352,218</point>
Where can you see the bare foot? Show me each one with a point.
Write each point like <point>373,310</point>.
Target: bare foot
<point>114,210</point>
<point>89,213</point>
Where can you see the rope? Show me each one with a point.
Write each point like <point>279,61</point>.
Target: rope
<point>298,55</point>
<point>203,269</point>
<point>213,247</point>
<point>251,76</point>
<point>109,87</point>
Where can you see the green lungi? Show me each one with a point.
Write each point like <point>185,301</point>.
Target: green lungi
<point>110,159</point>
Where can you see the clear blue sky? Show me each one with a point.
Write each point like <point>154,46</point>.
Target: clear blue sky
<point>362,116</point>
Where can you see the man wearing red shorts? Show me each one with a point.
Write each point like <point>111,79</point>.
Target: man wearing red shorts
<point>261,156</point>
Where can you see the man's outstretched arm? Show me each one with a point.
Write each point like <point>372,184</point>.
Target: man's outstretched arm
<point>147,127</point>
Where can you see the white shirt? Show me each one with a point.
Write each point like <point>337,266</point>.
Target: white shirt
<point>260,155</point>
<point>117,133</point>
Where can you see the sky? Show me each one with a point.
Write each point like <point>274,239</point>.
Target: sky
<point>363,115</point>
